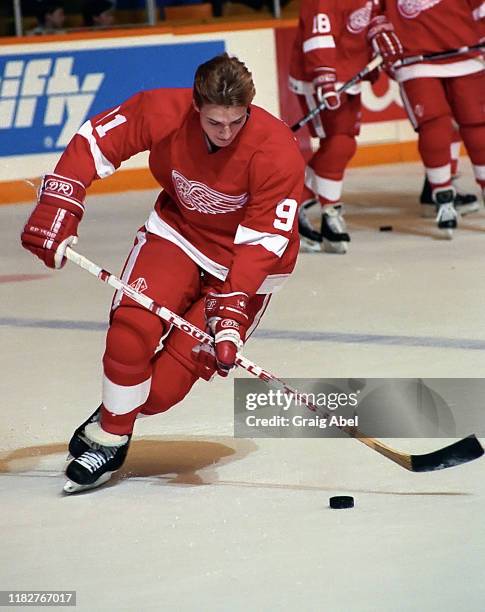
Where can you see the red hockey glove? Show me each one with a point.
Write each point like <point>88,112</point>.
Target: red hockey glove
<point>227,322</point>
<point>324,84</point>
<point>52,226</point>
<point>385,41</point>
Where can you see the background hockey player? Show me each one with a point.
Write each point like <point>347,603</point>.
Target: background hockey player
<point>221,239</point>
<point>465,203</point>
<point>331,47</point>
<point>436,92</point>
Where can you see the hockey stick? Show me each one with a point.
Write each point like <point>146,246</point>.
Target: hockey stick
<point>437,56</point>
<point>377,61</point>
<point>457,453</point>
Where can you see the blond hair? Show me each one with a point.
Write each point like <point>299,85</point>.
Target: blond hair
<point>224,81</point>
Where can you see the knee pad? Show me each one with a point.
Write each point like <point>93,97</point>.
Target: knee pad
<point>130,345</point>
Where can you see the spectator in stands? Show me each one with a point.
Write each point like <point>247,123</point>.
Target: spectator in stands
<point>50,18</point>
<point>98,14</point>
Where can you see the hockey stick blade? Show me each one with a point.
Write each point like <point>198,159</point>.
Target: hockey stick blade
<point>465,450</point>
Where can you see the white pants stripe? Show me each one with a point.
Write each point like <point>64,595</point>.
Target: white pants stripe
<point>119,399</point>
<point>326,188</point>
<point>479,172</point>
<point>440,175</point>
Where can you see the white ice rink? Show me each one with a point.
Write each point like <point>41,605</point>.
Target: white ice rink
<point>200,521</point>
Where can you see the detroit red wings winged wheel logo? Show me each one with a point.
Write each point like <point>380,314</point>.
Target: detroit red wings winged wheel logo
<point>360,19</point>
<point>412,8</point>
<point>200,197</point>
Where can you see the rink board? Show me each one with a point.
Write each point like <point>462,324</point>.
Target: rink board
<point>48,89</point>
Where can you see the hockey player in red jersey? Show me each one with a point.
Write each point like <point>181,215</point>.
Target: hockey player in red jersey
<point>221,239</point>
<point>436,92</point>
<point>464,203</point>
<point>334,41</point>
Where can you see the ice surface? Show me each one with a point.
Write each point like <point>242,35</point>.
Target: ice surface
<point>199,520</point>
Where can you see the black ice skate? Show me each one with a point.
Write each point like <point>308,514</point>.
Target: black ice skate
<point>446,217</point>
<point>96,465</point>
<point>79,444</point>
<point>311,239</point>
<point>465,203</point>
<point>335,238</point>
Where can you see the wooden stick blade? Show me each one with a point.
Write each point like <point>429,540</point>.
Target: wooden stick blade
<point>463,451</point>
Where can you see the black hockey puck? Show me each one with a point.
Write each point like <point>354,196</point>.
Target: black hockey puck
<point>341,501</point>
<point>385,228</point>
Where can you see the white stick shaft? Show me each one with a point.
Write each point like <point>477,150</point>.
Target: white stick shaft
<point>170,317</point>
<point>429,57</point>
<point>142,299</point>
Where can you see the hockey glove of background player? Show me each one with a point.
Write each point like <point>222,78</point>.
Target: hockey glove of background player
<point>324,84</point>
<point>52,226</point>
<point>385,41</point>
<point>227,321</point>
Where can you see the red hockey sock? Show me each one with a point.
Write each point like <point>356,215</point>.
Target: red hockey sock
<point>474,139</point>
<point>119,424</point>
<point>435,138</point>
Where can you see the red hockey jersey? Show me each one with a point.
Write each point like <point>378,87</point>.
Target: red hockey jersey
<point>434,26</point>
<point>331,33</point>
<point>231,210</point>
<point>479,18</point>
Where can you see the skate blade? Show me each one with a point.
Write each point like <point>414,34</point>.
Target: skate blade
<point>466,209</point>
<point>306,246</point>
<point>447,233</point>
<point>340,248</point>
<point>73,487</point>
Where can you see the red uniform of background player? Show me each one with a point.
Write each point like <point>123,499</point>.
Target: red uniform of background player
<point>435,92</point>
<point>223,227</point>
<point>331,47</point>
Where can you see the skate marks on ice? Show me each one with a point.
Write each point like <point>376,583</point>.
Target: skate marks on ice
<point>20,278</point>
<point>185,461</point>
<point>179,462</point>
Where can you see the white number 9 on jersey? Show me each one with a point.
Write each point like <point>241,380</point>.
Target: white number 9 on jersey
<point>285,214</point>
<point>321,24</point>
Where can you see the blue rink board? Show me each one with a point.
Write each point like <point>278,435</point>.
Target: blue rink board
<point>46,97</point>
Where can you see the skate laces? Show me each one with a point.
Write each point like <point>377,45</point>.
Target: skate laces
<point>446,212</point>
<point>334,220</point>
<point>94,459</point>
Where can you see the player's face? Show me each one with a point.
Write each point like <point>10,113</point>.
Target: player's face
<point>222,123</point>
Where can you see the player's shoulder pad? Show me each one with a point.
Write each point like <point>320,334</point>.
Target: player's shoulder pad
<point>273,140</point>
<point>173,103</point>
